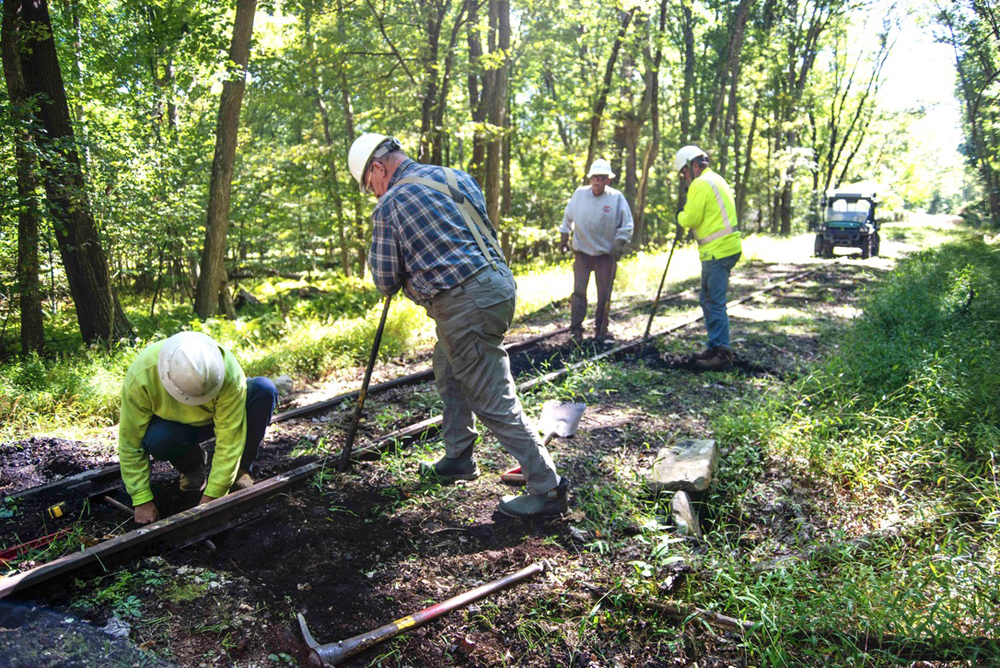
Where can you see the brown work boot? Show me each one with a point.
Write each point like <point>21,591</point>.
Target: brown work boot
<point>243,481</point>
<point>195,480</point>
<point>720,360</point>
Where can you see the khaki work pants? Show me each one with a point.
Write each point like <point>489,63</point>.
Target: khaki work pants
<point>472,373</point>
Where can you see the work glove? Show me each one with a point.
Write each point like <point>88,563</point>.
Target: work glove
<point>679,234</point>
<point>618,249</point>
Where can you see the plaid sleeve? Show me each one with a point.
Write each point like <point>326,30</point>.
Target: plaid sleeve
<point>384,255</point>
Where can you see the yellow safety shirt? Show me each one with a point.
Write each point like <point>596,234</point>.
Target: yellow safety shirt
<point>711,212</point>
<point>144,396</point>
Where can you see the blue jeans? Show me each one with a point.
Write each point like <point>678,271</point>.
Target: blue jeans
<point>177,443</point>
<point>714,284</point>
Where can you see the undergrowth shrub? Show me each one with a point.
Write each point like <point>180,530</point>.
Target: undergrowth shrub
<point>905,412</point>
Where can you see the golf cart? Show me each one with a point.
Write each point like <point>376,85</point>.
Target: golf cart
<point>848,221</point>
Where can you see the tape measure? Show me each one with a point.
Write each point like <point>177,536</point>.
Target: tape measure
<point>56,511</point>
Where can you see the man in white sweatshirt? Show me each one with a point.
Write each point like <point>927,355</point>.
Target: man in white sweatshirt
<point>600,220</point>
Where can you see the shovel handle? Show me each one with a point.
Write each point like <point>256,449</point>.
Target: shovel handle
<point>656,302</point>
<point>345,454</point>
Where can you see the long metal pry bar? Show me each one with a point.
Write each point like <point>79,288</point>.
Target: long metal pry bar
<point>335,652</point>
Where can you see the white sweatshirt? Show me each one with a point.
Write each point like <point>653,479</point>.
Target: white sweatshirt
<point>597,221</point>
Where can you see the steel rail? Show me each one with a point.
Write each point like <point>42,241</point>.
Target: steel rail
<point>97,481</point>
<point>201,521</point>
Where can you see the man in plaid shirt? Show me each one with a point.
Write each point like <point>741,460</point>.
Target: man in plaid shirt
<point>432,238</point>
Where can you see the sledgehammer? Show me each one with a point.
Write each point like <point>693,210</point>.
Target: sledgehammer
<point>333,653</point>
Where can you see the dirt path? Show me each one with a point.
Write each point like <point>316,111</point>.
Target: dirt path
<point>355,551</point>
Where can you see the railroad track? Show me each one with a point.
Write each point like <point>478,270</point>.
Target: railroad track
<point>197,524</point>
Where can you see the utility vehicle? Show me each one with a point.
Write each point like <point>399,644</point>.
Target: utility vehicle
<point>849,221</point>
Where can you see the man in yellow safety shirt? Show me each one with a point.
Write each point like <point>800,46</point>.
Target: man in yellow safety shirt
<point>178,393</point>
<point>710,211</point>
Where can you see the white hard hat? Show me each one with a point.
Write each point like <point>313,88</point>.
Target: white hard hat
<point>601,167</point>
<point>367,146</point>
<point>686,155</point>
<point>191,368</point>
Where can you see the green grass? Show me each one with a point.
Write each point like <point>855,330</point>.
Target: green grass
<point>904,416</point>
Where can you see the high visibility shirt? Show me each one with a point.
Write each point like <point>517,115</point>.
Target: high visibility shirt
<point>144,396</point>
<point>711,212</point>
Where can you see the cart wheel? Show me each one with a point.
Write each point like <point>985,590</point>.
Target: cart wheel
<point>866,247</point>
<point>875,244</point>
<point>819,247</point>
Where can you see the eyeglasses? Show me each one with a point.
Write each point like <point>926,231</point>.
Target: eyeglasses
<point>368,178</point>
<point>600,177</point>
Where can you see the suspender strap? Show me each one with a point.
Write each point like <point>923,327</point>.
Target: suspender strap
<point>480,229</point>
<point>728,229</point>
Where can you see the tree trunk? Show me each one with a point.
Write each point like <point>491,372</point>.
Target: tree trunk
<point>360,229</point>
<point>687,29</point>
<point>744,180</point>
<point>495,95</point>
<point>98,312</point>
<point>28,282</point>
<point>477,97</point>
<point>213,256</point>
<point>601,99</point>
<point>651,98</point>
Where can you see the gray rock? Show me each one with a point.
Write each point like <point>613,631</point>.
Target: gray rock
<point>284,384</point>
<point>685,516</point>
<point>116,628</point>
<point>687,465</point>
<point>244,298</point>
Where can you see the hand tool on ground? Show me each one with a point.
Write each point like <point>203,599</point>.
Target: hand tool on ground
<point>345,454</point>
<point>207,544</point>
<point>656,302</point>
<point>118,504</point>
<point>335,652</point>
<point>558,419</point>
<point>12,553</point>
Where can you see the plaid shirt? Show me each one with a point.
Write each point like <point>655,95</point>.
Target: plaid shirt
<point>420,241</point>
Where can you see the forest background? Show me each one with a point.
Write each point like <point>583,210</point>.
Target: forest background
<point>119,223</point>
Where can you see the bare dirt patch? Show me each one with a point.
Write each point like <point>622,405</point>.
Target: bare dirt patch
<point>354,551</point>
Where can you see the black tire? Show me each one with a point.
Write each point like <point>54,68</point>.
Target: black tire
<point>866,247</point>
<point>819,247</point>
<point>876,241</point>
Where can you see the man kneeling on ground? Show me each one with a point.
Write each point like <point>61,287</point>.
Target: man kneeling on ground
<point>178,393</point>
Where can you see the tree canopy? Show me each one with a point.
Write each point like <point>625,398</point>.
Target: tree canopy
<point>784,96</point>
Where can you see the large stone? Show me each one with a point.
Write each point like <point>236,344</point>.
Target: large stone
<point>685,516</point>
<point>687,465</point>
<point>283,384</point>
<point>244,298</point>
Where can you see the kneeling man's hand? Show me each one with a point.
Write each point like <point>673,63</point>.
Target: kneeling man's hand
<point>146,513</point>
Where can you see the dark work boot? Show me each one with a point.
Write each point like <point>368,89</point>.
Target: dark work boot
<point>705,354</point>
<point>537,506</point>
<point>721,359</point>
<point>463,467</point>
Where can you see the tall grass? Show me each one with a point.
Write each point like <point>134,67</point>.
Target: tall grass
<point>902,424</point>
